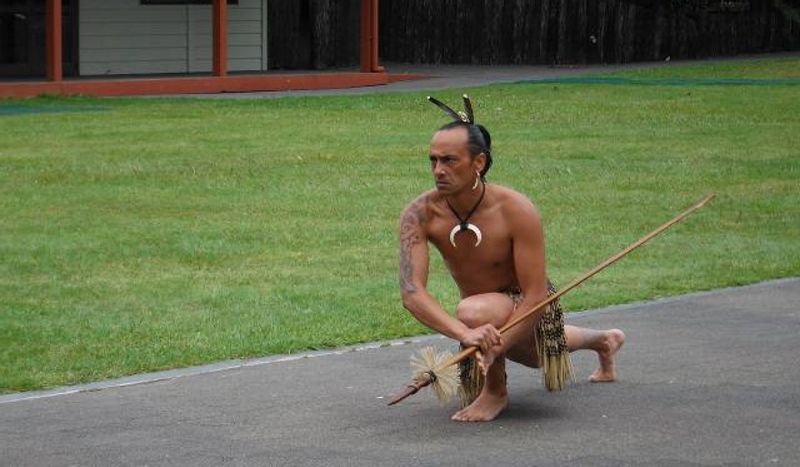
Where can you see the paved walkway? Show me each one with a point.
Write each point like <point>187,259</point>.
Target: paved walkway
<point>704,379</point>
<point>439,77</point>
<point>465,76</point>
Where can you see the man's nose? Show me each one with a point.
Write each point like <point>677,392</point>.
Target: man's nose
<point>438,168</point>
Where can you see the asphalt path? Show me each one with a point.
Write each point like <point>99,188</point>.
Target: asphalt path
<point>442,76</point>
<point>704,379</point>
<point>439,77</point>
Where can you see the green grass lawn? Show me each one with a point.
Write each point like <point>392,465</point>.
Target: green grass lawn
<point>757,68</point>
<point>144,234</point>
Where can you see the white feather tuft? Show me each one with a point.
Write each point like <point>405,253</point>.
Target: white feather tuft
<point>446,382</point>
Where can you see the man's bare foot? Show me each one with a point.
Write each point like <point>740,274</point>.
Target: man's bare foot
<point>614,338</point>
<point>486,407</point>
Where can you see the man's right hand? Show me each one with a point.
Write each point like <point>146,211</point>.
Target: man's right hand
<point>484,337</point>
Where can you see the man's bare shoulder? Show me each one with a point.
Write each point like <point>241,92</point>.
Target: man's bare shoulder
<point>417,211</point>
<point>424,198</point>
<point>514,203</point>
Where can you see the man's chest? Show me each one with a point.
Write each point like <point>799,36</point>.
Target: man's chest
<point>459,246</point>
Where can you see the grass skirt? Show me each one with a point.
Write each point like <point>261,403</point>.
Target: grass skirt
<point>551,348</point>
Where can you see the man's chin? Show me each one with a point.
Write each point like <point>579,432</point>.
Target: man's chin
<point>444,188</point>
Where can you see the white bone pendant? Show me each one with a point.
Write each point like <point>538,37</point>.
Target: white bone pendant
<point>471,227</point>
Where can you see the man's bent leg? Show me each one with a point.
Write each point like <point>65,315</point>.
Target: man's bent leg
<point>605,343</point>
<point>493,398</point>
<point>488,308</point>
<point>494,309</point>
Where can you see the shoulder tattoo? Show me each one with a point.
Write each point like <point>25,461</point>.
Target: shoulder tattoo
<point>410,225</point>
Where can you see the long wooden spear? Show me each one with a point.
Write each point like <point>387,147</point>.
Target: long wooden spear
<point>435,374</point>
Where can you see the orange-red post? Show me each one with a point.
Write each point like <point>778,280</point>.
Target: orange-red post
<point>55,71</point>
<point>369,37</point>
<point>366,55</point>
<point>374,39</point>
<point>220,39</point>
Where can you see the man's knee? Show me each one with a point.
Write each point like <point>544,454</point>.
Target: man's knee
<point>479,310</point>
<point>471,313</point>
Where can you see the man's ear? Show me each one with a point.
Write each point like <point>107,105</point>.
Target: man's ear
<point>480,162</point>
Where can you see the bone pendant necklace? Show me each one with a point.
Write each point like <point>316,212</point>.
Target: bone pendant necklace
<point>464,224</point>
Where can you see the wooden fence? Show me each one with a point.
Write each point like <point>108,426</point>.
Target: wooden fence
<point>313,34</point>
<point>325,33</point>
<point>582,31</point>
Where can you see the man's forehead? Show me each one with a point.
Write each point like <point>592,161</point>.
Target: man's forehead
<point>451,138</point>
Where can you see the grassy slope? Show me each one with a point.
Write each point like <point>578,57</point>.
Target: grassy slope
<point>164,233</point>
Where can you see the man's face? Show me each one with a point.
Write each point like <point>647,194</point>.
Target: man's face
<point>452,166</point>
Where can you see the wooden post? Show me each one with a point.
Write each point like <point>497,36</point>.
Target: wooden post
<point>376,68</point>
<point>366,55</point>
<point>369,37</point>
<point>54,46</point>
<point>220,39</point>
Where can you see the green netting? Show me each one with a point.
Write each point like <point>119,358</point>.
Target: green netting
<point>666,81</point>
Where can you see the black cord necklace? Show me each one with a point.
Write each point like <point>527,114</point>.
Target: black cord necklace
<point>464,224</point>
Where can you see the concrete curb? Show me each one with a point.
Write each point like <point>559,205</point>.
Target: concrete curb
<point>147,378</point>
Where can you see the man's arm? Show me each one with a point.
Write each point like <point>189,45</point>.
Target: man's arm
<point>414,262</point>
<point>529,257</point>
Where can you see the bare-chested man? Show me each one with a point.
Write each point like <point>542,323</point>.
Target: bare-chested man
<point>509,257</point>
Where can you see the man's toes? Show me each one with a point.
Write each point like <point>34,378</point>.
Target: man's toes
<point>468,418</point>
<point>601,377</point>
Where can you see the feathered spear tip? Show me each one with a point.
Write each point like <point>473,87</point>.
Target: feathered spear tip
<point>444,379</point>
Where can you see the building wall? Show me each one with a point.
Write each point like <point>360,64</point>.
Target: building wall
<point>125,37</point>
